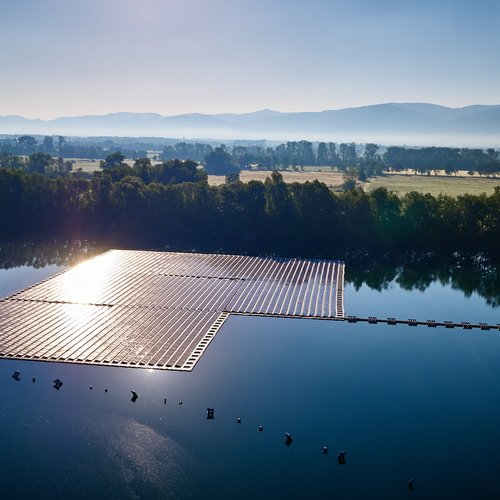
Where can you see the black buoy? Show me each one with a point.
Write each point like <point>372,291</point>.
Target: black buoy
<point>238,420</point>
<point>341,457</point>
<point>164,401</point>
<point>15,376</point>
<point>105,389</point>
<point>134,396</point>
<point>91,387</point>
<point>210,413</point>
<point>57,384</point>
<point>180,402</point>
<point>410,484</point>
<point>325,450</point>
<point>33,379</point>
<point>288,439</point>
<point>261,428</point>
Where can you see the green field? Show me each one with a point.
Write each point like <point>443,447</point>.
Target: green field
<point>453,186</point>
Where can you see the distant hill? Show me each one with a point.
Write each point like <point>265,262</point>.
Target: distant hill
<point>390,123</point>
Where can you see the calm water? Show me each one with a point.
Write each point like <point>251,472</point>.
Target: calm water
<point>404,402</point>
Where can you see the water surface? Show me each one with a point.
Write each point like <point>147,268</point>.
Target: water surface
<point>404,402</point>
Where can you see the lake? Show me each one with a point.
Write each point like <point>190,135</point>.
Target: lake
<point>404,402</point>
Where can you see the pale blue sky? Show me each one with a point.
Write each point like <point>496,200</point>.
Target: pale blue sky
<point>67,57</point>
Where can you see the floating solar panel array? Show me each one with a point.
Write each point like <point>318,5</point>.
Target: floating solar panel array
<point>159,309</point>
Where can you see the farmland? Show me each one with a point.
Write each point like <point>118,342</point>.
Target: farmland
<point>435,185</point>
<point>331,179</point>
<point>399,183</point>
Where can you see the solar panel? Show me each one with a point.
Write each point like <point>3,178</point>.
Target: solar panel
<point>159,309</point>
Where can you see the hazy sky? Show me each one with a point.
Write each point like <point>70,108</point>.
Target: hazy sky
<point>69,57</point>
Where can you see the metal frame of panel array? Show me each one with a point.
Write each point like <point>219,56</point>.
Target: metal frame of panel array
<point>159,309</point>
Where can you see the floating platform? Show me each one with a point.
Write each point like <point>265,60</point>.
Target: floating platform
<point>159,309</point>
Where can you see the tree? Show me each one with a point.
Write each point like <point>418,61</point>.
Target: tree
<point>176,172</point>
<point>113,160</point>
<point>305,153</point>
<point>241,156</point>
<point>370,164</point>
<point>39,163</point>
<point>370,151</point>
<point>348,154</point>
<point>332,154</point>
<point>48,145</point>
<point>62,167</point>
<point>282,156</point>
<point>60,144</point>
<point>219,162</point>
<point>143,167</point>
<point>11,161</point>
<point>26,144</point>
<point>492,155</point>
<point>322,154</point>
<point>350,175</point>
<point>186,151</point>
<point>386,209</point>
<point>448,170</point>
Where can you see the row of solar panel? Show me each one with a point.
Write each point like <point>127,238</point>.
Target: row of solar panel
<point>201,265</point>
<point>158,309</point>
<point>106,335</point>
<point>303,288</point>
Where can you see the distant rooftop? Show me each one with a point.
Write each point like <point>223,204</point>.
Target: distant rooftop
<point>159,309</point>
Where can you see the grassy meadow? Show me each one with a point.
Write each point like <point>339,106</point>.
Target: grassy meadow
<point>399,183</point>
<point>435,185</point>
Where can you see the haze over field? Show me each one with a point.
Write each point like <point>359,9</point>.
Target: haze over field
<point>177,57</point>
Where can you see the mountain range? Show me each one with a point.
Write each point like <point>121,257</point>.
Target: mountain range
<point>389,123</point>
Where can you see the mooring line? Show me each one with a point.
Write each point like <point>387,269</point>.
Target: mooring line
<point>430,323</point>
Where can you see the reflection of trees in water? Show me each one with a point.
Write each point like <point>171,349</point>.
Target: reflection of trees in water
<point>468,273</point>
<point>39,255</point>
<point>417,271</point>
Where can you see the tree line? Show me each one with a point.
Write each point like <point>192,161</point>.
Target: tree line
<point>269,217</point>
<point>113,166</point>
<point>362,160</point>
<point>64,148</point>
<point>451,160</point>
<point>294,154</point>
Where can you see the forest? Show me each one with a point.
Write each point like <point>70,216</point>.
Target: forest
<point>175,208</point>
